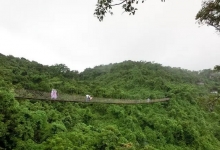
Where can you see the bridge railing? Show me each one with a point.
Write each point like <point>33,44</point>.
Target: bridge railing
<point>40,95</point>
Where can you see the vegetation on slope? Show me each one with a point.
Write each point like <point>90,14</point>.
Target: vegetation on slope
<point>190,120</point>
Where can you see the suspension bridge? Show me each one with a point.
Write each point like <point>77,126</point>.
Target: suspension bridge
<point>45,96</point>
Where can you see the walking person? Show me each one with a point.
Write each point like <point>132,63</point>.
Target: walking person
<point>88,98</point>
<point>54,94</point>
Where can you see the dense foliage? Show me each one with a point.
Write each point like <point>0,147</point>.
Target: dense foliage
<point>210,14</point>
<point>190,120</point>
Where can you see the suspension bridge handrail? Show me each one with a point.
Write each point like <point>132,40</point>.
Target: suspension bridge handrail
<point>45,96</point>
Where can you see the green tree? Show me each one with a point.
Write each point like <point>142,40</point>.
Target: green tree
<point>8,119</point>
<point>210,14</point>
<point>217,68</point>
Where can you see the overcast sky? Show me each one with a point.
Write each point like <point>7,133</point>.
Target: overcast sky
<point>65,31</point>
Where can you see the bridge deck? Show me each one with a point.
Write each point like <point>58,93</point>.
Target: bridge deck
<point>45,96</point>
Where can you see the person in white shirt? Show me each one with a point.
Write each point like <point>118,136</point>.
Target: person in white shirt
<point>88,98</point>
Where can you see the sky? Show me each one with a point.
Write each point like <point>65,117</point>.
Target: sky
<point>66,32</point>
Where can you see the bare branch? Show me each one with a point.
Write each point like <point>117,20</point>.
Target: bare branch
<point>118,3</point>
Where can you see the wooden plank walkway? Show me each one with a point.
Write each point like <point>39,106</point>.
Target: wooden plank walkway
<point>45,96</point>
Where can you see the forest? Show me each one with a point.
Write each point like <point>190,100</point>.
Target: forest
<point>190,120</point>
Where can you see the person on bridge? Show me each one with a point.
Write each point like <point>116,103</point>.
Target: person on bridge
<point>88,98</point>
<point>54,94</point>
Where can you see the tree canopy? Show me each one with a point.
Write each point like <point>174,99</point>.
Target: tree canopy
<point>189,121</point>
<point>210,14</point>
<point>217,68</point>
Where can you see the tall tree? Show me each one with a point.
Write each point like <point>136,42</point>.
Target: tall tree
<point>210,14</point>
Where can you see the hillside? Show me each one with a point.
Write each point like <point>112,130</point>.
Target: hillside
<point>190,120</point>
